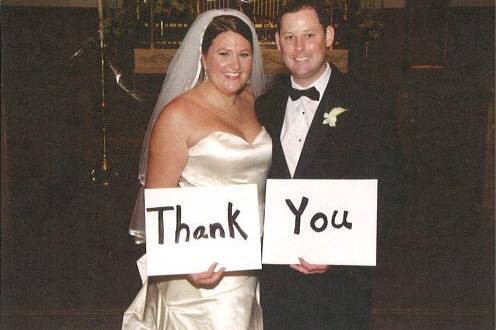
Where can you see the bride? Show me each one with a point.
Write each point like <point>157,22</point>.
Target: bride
<point>204,132</point>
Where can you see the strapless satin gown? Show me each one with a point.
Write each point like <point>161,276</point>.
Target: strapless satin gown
<point>218,159</point>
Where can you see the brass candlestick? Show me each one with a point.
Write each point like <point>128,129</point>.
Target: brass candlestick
<point>103,173</point>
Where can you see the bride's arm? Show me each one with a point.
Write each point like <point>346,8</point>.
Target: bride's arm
<point>168,154</point>
<point>168,148</point>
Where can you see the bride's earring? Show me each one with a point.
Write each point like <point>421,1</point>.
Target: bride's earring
<point>204,66</point>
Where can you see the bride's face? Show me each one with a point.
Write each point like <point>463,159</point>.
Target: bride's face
<point>228,62</point>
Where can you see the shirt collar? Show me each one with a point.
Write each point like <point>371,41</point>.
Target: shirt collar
<point>320,84</point>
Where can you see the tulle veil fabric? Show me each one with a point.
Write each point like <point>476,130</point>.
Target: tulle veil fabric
<point>185,72</point>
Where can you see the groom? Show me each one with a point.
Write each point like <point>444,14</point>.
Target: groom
<point>309,296</point>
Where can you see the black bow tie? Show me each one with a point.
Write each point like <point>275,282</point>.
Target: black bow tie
<point>312,93</point>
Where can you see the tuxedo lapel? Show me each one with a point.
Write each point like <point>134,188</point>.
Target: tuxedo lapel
<point>278,109</point>
<point>318,132</point>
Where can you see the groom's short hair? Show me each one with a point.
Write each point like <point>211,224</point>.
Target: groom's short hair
<point>294,6</point>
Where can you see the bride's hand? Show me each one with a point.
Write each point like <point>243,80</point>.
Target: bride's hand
<point>208,279</point>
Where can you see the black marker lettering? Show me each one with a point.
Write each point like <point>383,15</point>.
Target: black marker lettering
<point>344,223</point>
<point>231,219</point>
<point>180,226</point>
<point>297,213</point>
<point>161,211</point>
<point>217,227</point>
<point>316,217</point>
<point>199,233</point>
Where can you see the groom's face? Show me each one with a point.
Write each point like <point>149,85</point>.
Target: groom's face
<point>303,43</point>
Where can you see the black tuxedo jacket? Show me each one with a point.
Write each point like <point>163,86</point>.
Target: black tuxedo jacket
<point>347,151</point>
<point>354,149</point>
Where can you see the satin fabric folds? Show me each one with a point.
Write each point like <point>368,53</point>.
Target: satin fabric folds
<point>169,303</point>
<point>176,304</point>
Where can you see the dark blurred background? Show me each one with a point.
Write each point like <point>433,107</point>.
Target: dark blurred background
<point>67,259</point>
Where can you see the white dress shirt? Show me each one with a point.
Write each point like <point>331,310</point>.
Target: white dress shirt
<point>297,120</point>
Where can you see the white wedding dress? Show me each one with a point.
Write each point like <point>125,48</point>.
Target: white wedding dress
<point>220,158</point>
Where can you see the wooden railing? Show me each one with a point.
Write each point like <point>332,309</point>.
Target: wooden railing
<point>156,61</point>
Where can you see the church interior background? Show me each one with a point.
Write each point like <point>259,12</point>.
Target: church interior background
<point>75,109</point>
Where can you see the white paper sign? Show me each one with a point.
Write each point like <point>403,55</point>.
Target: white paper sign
<point>188,229</point>
<point>332,222</point>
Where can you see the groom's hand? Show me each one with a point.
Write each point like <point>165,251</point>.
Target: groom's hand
<point>307,269</point>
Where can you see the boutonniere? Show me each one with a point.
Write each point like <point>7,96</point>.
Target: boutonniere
<point>331,117</point>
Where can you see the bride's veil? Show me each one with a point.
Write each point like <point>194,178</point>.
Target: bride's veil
<point>185,72</point>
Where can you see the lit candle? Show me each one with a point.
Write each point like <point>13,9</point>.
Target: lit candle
<point>138,14</point>
<point>345,10</point>
<point>101,18</point>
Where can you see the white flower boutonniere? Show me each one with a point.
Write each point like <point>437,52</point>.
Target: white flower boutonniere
<point>331,117</point>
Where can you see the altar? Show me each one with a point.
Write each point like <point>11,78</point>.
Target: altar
<point>156,60</point>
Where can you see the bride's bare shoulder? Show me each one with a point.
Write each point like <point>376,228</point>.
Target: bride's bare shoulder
<point>181,111</point>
